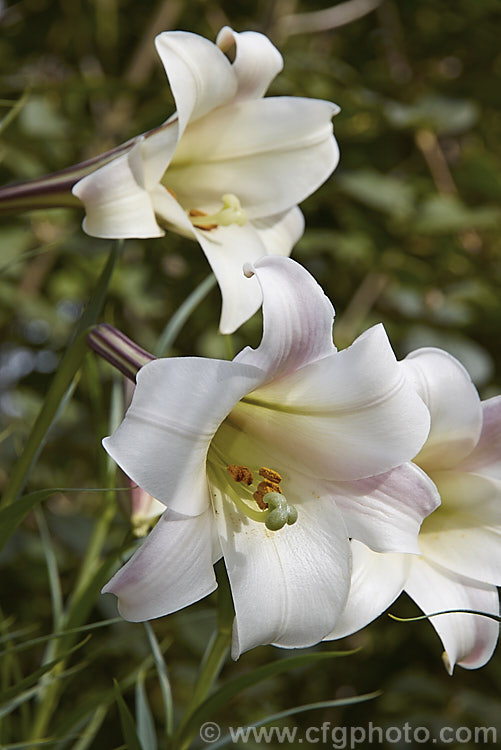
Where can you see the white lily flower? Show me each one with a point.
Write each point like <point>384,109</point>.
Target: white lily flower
<point>293,425</point>
<point>460,564</point>
<point>227,169</point>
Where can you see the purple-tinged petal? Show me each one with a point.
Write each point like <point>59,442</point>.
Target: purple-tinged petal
<point>256,63</point>
<point>486,456</point>
<point>468,640</point>
<point>376,581</point>
<point>385,512</point>
<point>171,570</point>
<point>454,404</point>
<point>177,406</point>
<point>464,534</point>
<point>297,318</point>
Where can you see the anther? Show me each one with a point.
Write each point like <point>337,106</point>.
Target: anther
<point>270,474</point>
<point>263,489</point>
<point>240,474</point>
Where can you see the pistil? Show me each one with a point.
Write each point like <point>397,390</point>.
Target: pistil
<point>231,213</point>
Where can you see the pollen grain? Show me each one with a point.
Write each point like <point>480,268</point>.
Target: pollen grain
<point>270,475</point>
<point>240,474</point>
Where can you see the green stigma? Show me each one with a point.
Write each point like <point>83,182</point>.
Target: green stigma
<point>231,213</point>
<point>280,512</point>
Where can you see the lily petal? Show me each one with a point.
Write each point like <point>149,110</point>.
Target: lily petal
<point>279,233</point>
<point>177,406</point>
<point>200,75</point>
<point>376,581</point>
<point>227,249</point>
<point>171,570</point>
<point>350,415</point>
<point>116,203</point>
<point>288,586</point>
<point>469,640</point>
<point>386,511</point>
<point>256,63</point>
<point>486,456</point>
<point>297,318</point>
<point>454,404</point>
<point>464,534</point>
<point>271,153</point>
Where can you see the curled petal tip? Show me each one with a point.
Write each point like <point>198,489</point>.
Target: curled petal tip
<point>447,663</point>
<point>248,270</point>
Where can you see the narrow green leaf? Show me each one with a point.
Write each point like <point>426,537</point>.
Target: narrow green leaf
<point>52,570</point>
<point>31,679</point>
<point>60,634</point>
<point>177,321</point>
<point>145,726</point>
<point>92,728</point>
<point>222,696</point>
<point>60,386</point>
<point>297,710</point>
<point>126,721</point>
<point>163,679</point>
<point>12,515</point>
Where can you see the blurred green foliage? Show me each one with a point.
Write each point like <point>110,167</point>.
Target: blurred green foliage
<point>405,232</point>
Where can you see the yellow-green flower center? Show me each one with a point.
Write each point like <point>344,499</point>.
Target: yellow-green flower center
<point>260,500</point>
<point>230,213</point>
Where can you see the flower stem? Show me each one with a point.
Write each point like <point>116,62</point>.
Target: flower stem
<point>213,660</point>
<point>177,321</point>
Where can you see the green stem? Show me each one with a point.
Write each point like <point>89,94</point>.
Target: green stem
<point>213,660</point>
<point>177,321</point>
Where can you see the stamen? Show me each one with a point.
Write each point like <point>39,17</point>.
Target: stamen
<point>270,474</point>
<point>263,489</point>
<point>231,213</point>
<point>240,474</point>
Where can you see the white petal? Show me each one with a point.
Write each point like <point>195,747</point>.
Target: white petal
<point>297,318</point>
<point>116,203</point>
<point>386,511</point>
<point>177,407</point>
<point>171,570</point>
<point>227,249</point>
<point>469,640</point>
<point>464,534</point>
<point>486,456</point>
<point>257,61</point>
<point>454,404</point>
<point>349,415</point>
<point>288,586</point>
<point>200,75</point>
<point>170,212</point>
<point>376,581</point>
<point>279,233</point>
<point>157,149</point>
<point>271,153</point>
